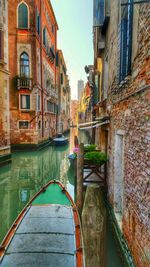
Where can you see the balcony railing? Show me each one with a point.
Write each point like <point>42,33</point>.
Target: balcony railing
<point>50,54</point>
<point>24,83</point>
<point>52,94</point>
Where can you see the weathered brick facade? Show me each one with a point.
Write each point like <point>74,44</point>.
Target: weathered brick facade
<point>127,138</point>
<point>33,96</point>
<point>4,82</point>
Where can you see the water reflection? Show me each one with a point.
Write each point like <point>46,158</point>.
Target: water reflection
<point>27,173</point>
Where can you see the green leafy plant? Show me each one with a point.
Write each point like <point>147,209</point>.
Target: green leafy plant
<point>89,148</point>
<point>96,157</point>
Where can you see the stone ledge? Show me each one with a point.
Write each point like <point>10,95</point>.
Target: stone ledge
<point>30,147</point>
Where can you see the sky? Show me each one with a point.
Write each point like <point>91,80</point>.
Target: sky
<point>75,37</point>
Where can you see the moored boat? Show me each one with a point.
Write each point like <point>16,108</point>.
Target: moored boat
<point>46,233</point>
<point>60,140</point>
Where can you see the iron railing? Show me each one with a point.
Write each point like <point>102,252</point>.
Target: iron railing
<point>24,82</point>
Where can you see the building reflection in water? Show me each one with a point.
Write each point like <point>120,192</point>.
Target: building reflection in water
<point>27,173</point>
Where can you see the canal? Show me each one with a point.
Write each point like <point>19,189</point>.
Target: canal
<point>28,172</point>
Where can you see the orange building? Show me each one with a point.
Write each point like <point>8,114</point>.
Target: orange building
<point>33,95</point>
<point>4,86</point>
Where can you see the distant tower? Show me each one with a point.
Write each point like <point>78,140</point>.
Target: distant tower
<point>80,88</point>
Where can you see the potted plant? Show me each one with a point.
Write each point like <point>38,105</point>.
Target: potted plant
<point>95,158</point>
<point>89,148</point>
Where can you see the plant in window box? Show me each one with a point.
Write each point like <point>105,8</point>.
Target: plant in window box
<point>89,147</point>
<point>95,158</point>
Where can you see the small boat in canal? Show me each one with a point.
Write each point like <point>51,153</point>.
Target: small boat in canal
<point>60,140</point>
<point>46,233</point>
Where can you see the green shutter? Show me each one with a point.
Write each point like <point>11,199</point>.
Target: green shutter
<point>23,16</point>
<point>28,101</point>
<point>44,36</point>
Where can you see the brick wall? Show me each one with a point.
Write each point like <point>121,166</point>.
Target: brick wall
<point>42,124</point>
<point>4,84</point>
<point>128,105</point>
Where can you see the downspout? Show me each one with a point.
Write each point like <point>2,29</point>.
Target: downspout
<point>56,76</point>
<point>41,60</point>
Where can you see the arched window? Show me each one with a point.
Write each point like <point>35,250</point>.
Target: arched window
<point>23,16</point>
<point>24,65</point>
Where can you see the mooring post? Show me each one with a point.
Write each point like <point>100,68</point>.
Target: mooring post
<point>80,166</point>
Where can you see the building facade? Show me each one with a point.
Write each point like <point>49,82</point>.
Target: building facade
<point>85,106</point>
<point>4,85</point>
<point>64,93</point>
<point>74,113</point>
<point>122,104</point>
<point>32,49</point>
<point>80,88</point>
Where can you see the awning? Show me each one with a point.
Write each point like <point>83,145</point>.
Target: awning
<point>93,124</point>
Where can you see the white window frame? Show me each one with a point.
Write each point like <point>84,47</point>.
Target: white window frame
<point>20,102</point>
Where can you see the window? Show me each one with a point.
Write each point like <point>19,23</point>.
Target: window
<point>51,107</point>
<point>57,59</point>
<point>24,65</point>
<point>23,124</point>
<point>44,36</point>
<point>38,24</point>
<point>39,124</point>
<point>61,78</point>
<point>53,29</point>
<point>25,101</point>
<point>39,103</point>
<point>126,40</point>
<point>1,45</point>
<point>96,88</point>
<point>23,16</point>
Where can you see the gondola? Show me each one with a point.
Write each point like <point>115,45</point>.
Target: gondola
<point>60,140</point>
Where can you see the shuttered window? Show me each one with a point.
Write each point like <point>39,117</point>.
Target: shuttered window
<point>96,88</point>
<point>61,78</point>
<point>57,59</point>
<point>25,101</point>
<point>99,11</point>
<point>44,36</point>
<point>38,23</point>
<point>126,41</point>
<point>1,45</point>
<point>39,103</point>
<point>22,16</point>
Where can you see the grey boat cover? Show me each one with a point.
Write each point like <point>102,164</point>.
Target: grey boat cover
<point>44,238</point>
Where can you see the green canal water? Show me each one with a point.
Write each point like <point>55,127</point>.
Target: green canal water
<point>28,172</point>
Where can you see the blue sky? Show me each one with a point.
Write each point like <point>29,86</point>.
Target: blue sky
<point>75,36</point>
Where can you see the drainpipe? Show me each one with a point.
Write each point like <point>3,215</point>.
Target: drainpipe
<point>41,59</point>
<point>56,75</point>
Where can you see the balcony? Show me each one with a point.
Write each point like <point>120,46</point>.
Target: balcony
<point>24,83</point>
<point>52,94</point>
<point>50,54</point>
